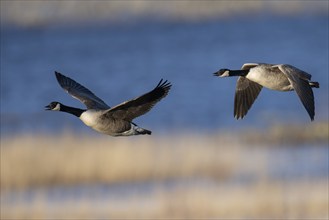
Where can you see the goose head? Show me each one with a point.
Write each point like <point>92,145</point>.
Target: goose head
<point>222,73</point>
<point>54,106</point>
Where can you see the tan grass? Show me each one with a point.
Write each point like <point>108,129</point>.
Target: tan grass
<point>43,161</point>
<point>264,200</point>
<point>288,134</point>
<point>34,13</point>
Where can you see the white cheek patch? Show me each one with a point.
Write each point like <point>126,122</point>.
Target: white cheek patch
<point>225,74</point>
<point>57,107</point>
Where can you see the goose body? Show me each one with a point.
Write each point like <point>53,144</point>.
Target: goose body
<point>115,121</point>
<point>281,77</point>
<point>269,77</point>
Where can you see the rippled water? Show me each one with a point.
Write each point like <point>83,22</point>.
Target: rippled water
<point>120,62</point>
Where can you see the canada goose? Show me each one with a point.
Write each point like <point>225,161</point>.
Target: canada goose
<point>115,121</point>
<point>282,77</point>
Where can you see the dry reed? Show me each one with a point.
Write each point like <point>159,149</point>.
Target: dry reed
<point>42,162</point>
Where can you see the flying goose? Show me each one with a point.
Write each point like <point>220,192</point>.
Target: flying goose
<point>282,77</point>
<point>115,121</point>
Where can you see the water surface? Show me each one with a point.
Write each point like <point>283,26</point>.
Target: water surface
<point>120,62</point>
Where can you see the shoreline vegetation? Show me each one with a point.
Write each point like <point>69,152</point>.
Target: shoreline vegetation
<point>226,174</point>
<point>264,200</point>
<point>71,158</point>
<point>43,13</point>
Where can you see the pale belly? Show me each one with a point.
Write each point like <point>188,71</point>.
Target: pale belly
<point>274,80</point>
<point>93,119</point>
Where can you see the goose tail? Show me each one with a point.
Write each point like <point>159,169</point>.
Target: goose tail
<point>143,131</point>
<point>314,84</point>
<point>138,130</point>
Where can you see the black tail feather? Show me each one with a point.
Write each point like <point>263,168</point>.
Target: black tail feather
<point>143,131</point>
<point>314,84</point>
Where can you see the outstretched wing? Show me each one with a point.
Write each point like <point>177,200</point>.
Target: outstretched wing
<point>139,106</point>
<point>80,92</point>
<point>299,80</point>
<point>246,93</point>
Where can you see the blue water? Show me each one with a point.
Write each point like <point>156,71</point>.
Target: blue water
<point>120,62</point>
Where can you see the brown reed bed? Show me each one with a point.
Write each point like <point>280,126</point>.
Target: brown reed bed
<point>288,134</point>
<point>40,162</point>
<point>29,161</point>
<point>264,200</point>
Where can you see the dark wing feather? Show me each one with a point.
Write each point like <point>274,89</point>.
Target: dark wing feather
<point>80,92</point>
<point>139,106</point>
<point>301,86</point>
<point>245,94</point>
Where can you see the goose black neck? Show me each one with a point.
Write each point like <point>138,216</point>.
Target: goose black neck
<point>238,72</point>
<point>74,111</point>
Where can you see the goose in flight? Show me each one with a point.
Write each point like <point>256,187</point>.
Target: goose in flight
<point>115,121</point>
<point>281,77</point>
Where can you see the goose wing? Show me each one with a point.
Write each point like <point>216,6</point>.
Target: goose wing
<point>299,81</point>
<point>246,93</point>
<point>247,66</point>
<point>80,92</point>
<point>139,106</point>
<point>288,68</point>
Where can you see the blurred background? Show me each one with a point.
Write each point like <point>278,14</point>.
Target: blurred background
<point>199,162</point>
